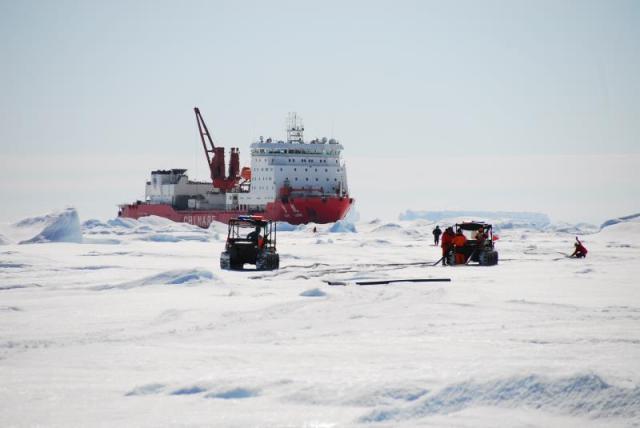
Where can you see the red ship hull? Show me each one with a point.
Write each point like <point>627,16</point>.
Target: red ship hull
<point>294,211</point>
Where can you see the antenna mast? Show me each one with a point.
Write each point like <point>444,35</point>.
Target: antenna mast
<point>295,129</point>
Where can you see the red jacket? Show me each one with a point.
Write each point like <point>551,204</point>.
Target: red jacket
<point>459,240</point>
<point>447,239</point>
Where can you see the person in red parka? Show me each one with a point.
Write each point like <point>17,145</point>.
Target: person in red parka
<point>458,242</point>
<point>446,244</point>
<point>580,250</point>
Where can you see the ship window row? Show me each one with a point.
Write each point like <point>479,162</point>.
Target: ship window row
<point>294,160</point>
<point>297,152</point>
<point>307,179</point>
<point>264,160</point>
<point>316,169</point>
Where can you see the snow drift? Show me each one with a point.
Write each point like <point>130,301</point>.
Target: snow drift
<point>587,395</point>
<point>342,226</point>
<point>623,234</point>
<point>283,226</point>
<point>61,226</point>
<point>508,219</point>
<point>172,277</point>
<point>632,217</point>
<point>151,228</point>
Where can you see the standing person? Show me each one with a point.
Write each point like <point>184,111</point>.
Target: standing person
<point>481,236</point>
<point>447,242</point>
<point>580,251</point>
<point>255,236</point>
<point>436,236</point>
<point>458,242</point>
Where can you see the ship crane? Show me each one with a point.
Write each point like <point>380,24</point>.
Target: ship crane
<point>215,158</point>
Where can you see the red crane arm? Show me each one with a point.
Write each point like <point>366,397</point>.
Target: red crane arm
<point>204,131</point>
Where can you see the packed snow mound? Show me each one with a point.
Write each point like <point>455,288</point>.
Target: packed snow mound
<point>313,292</point>
<point>342,226</point>
<point>127,223</point>
<point>165,237</point>
<point>632,218</point>
<point>217,230</point>
<point>283,226</point>
<point>171,277</point>
<point>394,228</point>
<point>580,395</point>
<point>387,227</point>
<point>574,229</point>
<point>622,234</point>
<point>151,229</point>
<point>60,226</point>
<point>507,219</point>
<point>157,221</point>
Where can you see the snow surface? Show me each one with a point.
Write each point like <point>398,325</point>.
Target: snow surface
<point>128,329</point>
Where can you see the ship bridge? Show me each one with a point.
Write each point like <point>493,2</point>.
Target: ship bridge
<point>322,147</point>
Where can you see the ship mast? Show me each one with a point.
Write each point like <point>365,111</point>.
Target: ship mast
<point>295,129</point>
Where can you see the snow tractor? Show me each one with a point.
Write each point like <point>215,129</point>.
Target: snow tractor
<point>252,240</point>
<point>479,247</point>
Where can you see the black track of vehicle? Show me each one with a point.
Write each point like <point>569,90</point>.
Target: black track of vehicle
<point>225,262</point>
<point>488,258</point>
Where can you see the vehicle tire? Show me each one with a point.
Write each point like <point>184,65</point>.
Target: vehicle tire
<point>262,261</point>
<point>268,261</point>
<point>234,264</point>
<point>489,258</point>
<point>225,262</point>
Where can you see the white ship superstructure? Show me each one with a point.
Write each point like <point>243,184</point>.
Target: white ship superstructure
<point>294,168</point>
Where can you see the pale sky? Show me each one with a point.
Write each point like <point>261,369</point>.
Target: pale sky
<point>479,105</point>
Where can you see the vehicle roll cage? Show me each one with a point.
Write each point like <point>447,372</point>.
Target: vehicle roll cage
<point>238,227</point>
<point>474,226</point>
